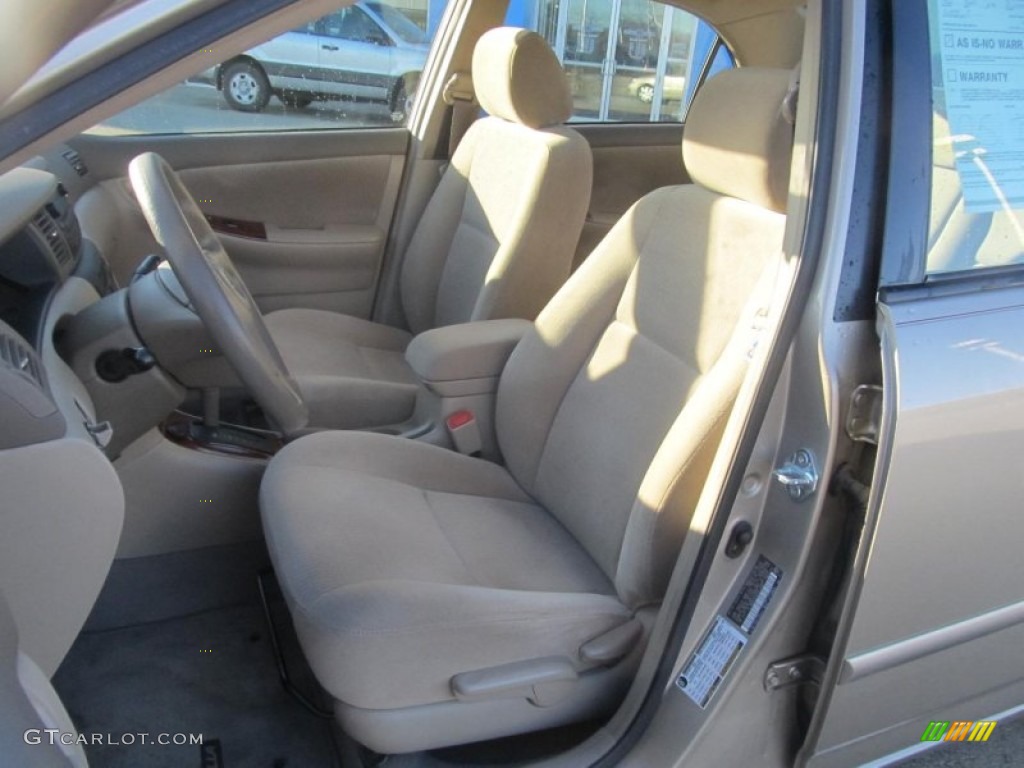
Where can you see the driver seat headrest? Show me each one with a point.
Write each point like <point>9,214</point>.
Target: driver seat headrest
<point>518,78</point>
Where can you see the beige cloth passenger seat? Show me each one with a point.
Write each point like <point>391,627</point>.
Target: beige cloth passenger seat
<point>496,240</point>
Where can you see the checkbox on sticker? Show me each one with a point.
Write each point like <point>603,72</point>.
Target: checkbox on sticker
<point>950,75</point>
<point>947,41</point>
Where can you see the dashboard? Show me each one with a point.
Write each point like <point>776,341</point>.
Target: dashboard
<point>41,250</point>
<point>81,356</point>
<point>41,246</point>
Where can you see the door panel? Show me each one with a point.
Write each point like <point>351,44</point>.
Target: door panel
<point>108,154</point>
<point>939,619</point>
<point>309,218</point>
<point>932,626</point>
<point>333,268</point>
<point>630,160</point>
<point>326,223</point>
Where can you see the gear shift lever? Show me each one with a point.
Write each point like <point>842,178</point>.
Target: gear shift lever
<point>147,265</point>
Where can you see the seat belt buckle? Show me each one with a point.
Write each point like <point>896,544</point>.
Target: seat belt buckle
<point>464,431</point>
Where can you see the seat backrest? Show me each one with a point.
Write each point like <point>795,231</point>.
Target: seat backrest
<point>610,410</point>
<point>497,238</point>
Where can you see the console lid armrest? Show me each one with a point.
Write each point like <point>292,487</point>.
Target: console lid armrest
<point>465,357</point>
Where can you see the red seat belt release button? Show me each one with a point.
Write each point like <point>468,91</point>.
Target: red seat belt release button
<point>465,432</point>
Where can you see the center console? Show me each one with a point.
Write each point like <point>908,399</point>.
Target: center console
<point>460,366</point>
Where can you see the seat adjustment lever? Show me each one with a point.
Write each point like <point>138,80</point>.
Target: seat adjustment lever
<point>543,681</point>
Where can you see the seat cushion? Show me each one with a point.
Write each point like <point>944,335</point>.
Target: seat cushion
<point>351,372</point>
<point>404,564</point>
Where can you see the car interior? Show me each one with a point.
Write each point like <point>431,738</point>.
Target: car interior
<point>381,444</point>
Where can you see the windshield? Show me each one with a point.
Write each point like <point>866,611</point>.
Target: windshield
<point>400,24</point>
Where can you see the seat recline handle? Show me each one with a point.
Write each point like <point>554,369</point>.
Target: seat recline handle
<point>613,645</point>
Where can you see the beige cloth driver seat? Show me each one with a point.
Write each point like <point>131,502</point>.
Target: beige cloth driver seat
<point>444,599</point>
<point>496,240</point>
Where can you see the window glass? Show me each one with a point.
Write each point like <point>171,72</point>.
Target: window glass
<point>627,60</point>
<point>977,194</point>
<point>355,67</point>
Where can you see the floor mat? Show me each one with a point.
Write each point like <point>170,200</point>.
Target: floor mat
<point>210,674</point>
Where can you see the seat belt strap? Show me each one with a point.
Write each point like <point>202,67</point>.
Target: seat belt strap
<point>458,93</point>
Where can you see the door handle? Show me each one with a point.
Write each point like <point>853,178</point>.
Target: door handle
<point>237,227</point>
<point>329,47</point>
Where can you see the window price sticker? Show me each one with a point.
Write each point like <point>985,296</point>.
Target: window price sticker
<point>981,50</point>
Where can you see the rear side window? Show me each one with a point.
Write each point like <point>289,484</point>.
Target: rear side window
<point>627,60</point>
<point>977,77</point>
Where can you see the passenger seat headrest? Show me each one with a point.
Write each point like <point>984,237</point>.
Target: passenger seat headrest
<point>518,78</point>
<point>738,140</point>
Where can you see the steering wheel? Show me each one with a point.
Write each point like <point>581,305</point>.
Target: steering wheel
<point>216,290</point>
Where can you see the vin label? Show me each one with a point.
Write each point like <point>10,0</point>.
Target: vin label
<point>727,636</point>
<point>710,663</point>
<point>756,593</point>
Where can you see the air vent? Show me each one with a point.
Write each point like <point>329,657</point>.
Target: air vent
<point>18,356</point>
<point>47,227</point>
<point>75,161</point>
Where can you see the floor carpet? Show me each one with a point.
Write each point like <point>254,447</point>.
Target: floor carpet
<point>210,673</point>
